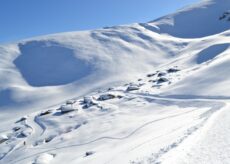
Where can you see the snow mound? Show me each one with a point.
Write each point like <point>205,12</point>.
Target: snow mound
<point>44,159</point>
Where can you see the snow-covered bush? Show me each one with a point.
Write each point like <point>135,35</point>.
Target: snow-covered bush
<point>108,96</point>
<point>3,138</point>
<point>67,108</point>
<point>162,80</point>
<point>70,102</point>
<point>160,74</point>
<point>133,88</point>
<point>89,101</point>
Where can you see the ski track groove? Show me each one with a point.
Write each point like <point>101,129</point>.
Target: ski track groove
<point>108,138</point>
<point>161,152</point>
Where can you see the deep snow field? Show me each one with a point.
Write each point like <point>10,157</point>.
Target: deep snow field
<point>146,93</point>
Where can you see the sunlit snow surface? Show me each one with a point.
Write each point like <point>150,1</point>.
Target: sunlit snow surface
<point>144,93</point>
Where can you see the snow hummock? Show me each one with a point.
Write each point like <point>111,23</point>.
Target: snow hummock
<point>44,159</point>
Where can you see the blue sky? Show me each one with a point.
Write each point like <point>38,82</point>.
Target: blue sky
<point>27,18</point>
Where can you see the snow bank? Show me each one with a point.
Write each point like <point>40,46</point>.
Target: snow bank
<point>44,159</point>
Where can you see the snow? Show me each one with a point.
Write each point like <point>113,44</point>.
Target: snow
<point>52,64</point>
<point>143,93</point>
<point>110,95</point>
<point>44,159</point>
<point>208,145</point>
<point>132,88</point>
<point>67,108</point>
<point>211,52</point>
<point>200,20</point>
<point>3,137</point>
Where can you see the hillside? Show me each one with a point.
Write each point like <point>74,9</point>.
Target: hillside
<point>153,92</point>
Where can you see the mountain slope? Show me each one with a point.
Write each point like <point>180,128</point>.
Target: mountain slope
<point>197,21</point>
<point>105,56</point>
<point>140,93</point>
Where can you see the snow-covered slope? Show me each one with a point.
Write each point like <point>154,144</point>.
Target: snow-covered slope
<point>71,64</point>
<point>197,21</point>
<point>136,93</point>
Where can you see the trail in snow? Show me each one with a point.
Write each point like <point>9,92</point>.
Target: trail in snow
<point>102,138</point>
<point>155,157</point>
<point>42,127</point>
<point>38,128</point>
<point>162,151</point>
<point>183,119</point>
<point>209,145</point>
<point>214,147</point>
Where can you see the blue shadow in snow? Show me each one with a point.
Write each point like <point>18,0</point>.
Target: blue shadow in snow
<point>211,52</point>
<point>6,98</point>
<point>46,63</point>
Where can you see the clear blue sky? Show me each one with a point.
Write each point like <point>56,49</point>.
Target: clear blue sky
<point>26,18</point>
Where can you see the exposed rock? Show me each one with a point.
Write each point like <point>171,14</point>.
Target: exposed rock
<point>108,96</point>
<point>16,129</point>
<point>3,138</point>
<point>70,102</point>
<point>151,75</point>
<point>132,88</point>
<point>173,70</point>
<point>22,119</point>
<point>45,112</point>
<point>88,153</point>
<point>89,101</point>
<point>160,74</point>
<point>162,80</point>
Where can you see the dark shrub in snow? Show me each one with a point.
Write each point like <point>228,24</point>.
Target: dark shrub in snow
<point>151,75</point>
<point>172,70</point>
<point>88,153</point>
<point>45,112</point>
<point>16,129</point>
<point>21,119</point>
